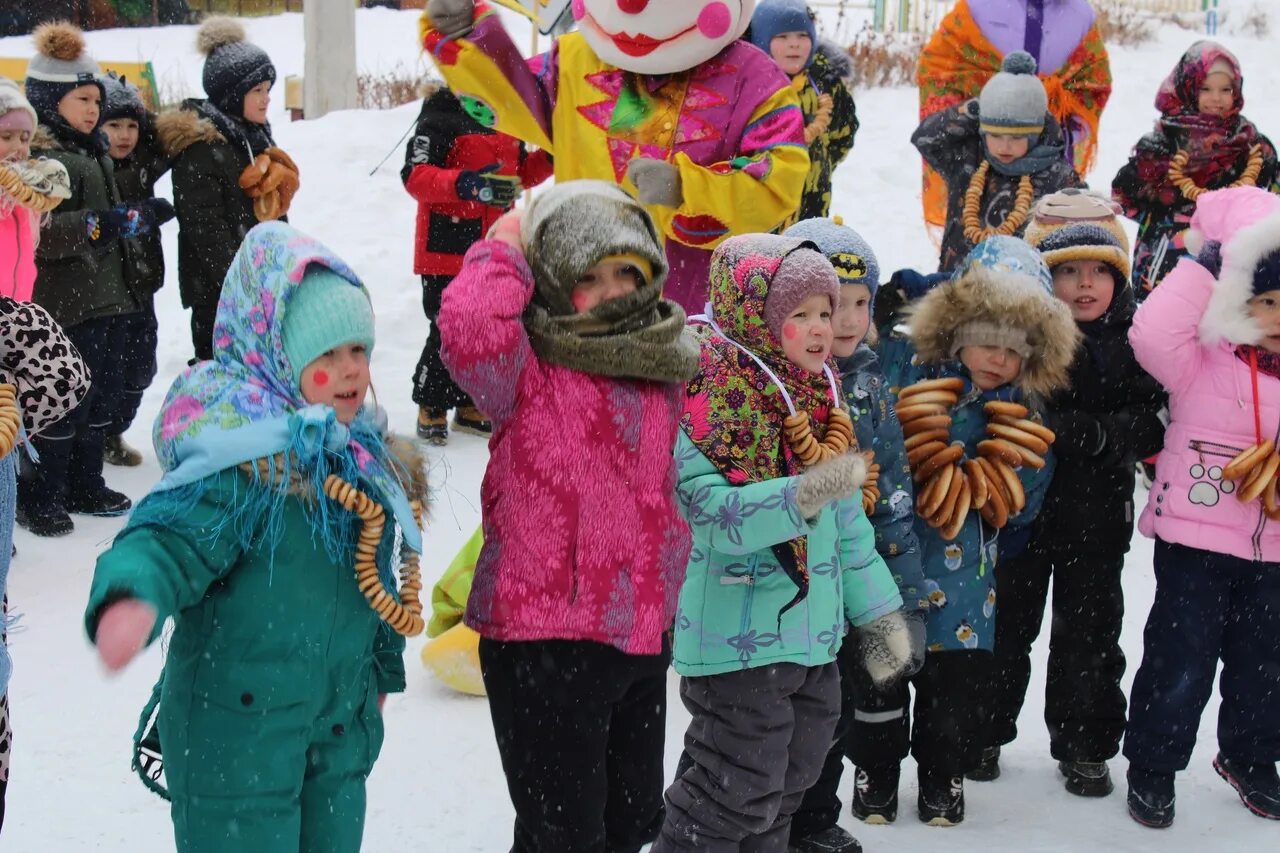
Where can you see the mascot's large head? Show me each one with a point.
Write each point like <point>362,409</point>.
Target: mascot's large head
<point>660,36</point>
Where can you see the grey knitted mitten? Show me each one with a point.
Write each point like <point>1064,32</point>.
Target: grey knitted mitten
<point>838,478</point>
<point>451,17</point>
<point>657,181</point>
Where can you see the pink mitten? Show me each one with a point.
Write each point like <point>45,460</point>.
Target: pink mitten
<point>123,631</point>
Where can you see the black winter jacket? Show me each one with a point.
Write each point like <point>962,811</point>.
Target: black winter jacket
<point>136,177</point>
<point>209,151</point>
<point>77,280</point>
<point>1106,420</point>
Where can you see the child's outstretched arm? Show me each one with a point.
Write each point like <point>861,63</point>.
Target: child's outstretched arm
<point>153,571</point>
<point>869,589</point>
<point>39,359</point>
<point>1165,331</point>
<point>484,342</point>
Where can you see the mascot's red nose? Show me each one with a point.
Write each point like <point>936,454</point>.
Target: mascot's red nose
<point>632,7</point>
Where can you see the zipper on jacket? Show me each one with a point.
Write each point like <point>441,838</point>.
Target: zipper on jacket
<point>750,580</point>
<point>1213,448</point>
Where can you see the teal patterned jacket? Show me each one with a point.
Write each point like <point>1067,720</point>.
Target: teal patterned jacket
<point>729,616</point>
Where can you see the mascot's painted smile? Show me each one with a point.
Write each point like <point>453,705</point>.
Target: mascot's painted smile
<point>634,30</point>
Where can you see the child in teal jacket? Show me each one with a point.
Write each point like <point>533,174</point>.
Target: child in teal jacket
<point>996,333</point>
<point>269,708</point>
<point>782,556</point>
<point>888,500</point>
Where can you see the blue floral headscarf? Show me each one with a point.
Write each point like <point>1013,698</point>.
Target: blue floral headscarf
<point>244,404</point>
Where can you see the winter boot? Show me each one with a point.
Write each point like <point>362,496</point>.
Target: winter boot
<point>941,801</point>
<point>433,426</point>
<point>52,522</point>
<point>1257,784</point>
<point>1150,797</point>
<point>988,769</point>
<point>105,503</point>
<point>1086,778</point>
<point>833,840</point>
<point>875,794</point>
<point>116,451</point>
<point>469,419</point>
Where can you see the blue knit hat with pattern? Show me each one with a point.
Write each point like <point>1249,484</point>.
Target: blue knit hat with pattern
<point>852,257</point>
<point>326,311</point>
<point>774,17</point>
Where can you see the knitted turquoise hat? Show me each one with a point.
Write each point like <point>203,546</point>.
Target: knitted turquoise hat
<point>325,311</point>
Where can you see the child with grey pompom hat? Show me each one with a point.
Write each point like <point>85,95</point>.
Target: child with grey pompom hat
<point>998,153</point>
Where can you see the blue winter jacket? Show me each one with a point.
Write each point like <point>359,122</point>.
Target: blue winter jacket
<point>959,576</point>
<point>876,426</point>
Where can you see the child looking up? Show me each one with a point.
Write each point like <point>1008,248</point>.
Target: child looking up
<point>784,556</point>
<point>888,503</point>
<point>557,329</point>
<point>997,153</point>
<point>1200,142</point>
<point>1210,333</point>
<point>277,478</point>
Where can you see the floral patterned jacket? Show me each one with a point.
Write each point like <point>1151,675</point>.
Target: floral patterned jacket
<point>729,613</point>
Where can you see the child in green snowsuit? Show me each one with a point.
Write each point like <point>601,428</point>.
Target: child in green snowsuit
<point>269,708</point>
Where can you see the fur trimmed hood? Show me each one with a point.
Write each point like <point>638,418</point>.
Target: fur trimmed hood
<point>181,128</point>
<point>982,294</point>
<point>1243,223</point>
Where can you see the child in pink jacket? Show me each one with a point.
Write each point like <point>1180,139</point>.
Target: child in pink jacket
<point>557,329</point>
<point>27,189</point>
<point>1211,335</point>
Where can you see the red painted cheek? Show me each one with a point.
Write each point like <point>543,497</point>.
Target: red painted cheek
<point>581,300</point>
<point>320,378</point>
<point>790,331</point>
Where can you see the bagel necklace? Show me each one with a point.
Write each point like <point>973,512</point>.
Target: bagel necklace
<point>974,231</point>
<point>950,485</point>
<point>1191,190</point>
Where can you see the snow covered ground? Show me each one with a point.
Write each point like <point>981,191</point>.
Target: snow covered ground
<point>438,785</point>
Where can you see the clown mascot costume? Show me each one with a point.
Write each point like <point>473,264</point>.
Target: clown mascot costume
<point>659,96</point>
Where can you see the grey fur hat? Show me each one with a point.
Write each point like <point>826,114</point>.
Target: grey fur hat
<point>61,64</point>
<point>1014,101</point>
<point>573,226</point>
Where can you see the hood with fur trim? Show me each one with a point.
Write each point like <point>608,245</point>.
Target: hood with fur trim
<point>179,129</point>
<point>1233,231</point>
<point>981,294</point>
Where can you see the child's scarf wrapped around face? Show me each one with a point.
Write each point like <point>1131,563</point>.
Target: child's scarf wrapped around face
<point>244,405</point>
<point>734,410</point>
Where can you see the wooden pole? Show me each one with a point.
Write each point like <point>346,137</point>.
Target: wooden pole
<point>329,61</point>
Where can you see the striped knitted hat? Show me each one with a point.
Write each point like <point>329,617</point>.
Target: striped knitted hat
<point>1078,225</point>
<point>1013,102</point>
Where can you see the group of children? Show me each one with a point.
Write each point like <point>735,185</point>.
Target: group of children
<point>725,494</point>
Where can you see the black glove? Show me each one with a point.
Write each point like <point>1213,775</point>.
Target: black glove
<point>125,221</point>
<point>890,300</point>
<point>161,210</point>
<point>420,151</point>
<point>487,187</point>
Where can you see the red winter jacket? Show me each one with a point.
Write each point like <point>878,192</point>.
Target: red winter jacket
<point>447,225</point>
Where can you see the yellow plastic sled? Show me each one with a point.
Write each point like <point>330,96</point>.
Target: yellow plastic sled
<point>453,653</point>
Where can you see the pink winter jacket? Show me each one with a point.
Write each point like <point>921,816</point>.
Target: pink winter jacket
<point>17,254</point>
<point>1211,413</point>
<point>582,537</point>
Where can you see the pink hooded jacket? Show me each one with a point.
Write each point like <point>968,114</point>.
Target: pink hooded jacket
<point>17,254</point>
<point>1186,335</point>
<point>582,537</point>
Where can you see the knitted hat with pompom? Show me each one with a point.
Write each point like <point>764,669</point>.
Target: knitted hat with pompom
<point>60,65</point>
<point>232,65</point>
<point>1013,102</point>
